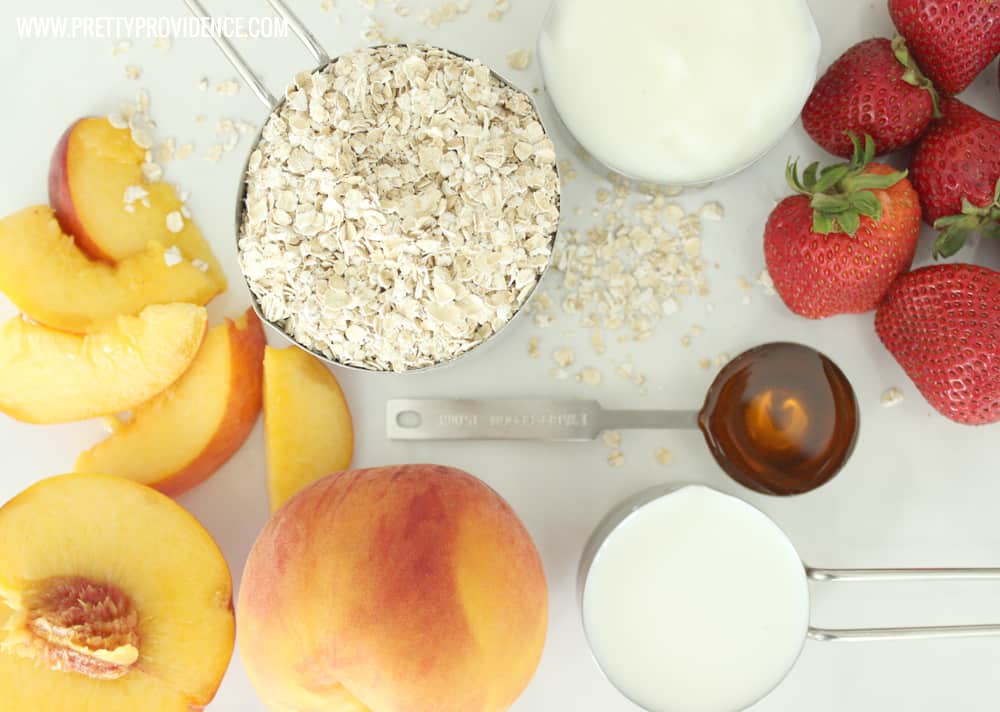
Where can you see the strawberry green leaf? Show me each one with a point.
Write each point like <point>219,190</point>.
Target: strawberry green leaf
<point>950,241</point>
<point>830,177</point>
<point>809,177</point>
<point>849,222</point>
<point>913,75</point>
<point>823,224</point>
<point>873,181</point>
<point>867,204</point>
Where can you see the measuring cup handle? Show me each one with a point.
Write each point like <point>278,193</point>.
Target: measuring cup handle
<point>240,65</point>
<point>862,575</point>
<point>917,633</point>
<point>862,635</point>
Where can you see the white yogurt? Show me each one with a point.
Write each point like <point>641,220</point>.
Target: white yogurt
<point>679,91</point>
<point>697,602</point>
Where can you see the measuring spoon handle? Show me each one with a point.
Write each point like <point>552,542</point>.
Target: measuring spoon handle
<point>545,420</point>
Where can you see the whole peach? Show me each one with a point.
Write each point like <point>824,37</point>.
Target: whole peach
<point>398,589</point>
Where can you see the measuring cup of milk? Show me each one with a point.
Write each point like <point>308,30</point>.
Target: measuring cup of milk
<point>695,601</point>
<point>680,92</point>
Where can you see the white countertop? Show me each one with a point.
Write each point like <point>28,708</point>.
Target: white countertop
<point>920,491</point>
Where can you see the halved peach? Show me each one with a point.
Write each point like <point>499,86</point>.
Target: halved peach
<point>181,437</point>
<point>306,421</point>
<point>92,167</point>
<point>112,599</point>
<point>49,376</point>
<point>47,276</point>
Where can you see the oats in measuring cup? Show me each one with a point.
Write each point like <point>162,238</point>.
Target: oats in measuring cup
<point>400,208</point>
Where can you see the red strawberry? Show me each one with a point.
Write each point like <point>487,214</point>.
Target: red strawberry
<point>956,169</point>
<point>942,324</point>
<point>952,40</point>
<point>875,88</point>
<point>837,247</point>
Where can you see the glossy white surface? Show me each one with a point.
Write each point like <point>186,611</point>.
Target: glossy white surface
<point>920,491</point>
<point>709,85</point>
<point>696,602</point>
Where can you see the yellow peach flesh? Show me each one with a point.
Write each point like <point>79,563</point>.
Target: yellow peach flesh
<point>48,278</point>
<point>100,609</point>
<point>306,420</point>
<point>181,437</point>
<point>48,376</point>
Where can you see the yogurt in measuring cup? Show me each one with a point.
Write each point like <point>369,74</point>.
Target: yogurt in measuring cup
<point>679,92</point>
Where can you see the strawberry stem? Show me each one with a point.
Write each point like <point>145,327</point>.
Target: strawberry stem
<point>912,73</point>
<point>957,229</point>
<point>841,194</point>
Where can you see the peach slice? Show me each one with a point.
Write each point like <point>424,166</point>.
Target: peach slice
<point>92,166</point>
<point>49,376</point>
<point>400,589</point>
<point>112,599</point>
<point>306,421</point>
<point>47,276</point>
<point>181,437</point>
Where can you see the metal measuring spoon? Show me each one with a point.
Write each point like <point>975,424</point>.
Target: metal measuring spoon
<point>273,103</point>
<point>781,419</point>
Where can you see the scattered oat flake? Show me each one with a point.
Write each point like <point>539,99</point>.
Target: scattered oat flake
<point>519,59</point>
<point>172,256</point>
<point>563,357</point>
<point>612,438</point>
<point>533,350</point>
<point>664,456</point>
<point>616,458</point>
<point>175,221</point>
<point>200,119</point>
<point>184,151</point>
<point>892,397</point>
<point>203,84</point>
<point>326,5</point>
<point>162,43</point>
<point>705,364</point>
<point>120,47</point>
<point>133,71</point>
<point>712,211</point>
<point>215,153</point>
<point>589,376</point>
<point>230,87</point>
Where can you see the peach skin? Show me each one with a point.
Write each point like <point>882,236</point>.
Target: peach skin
<point>398,589</point>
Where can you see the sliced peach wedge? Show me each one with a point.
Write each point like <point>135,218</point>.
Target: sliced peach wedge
<point>49,376</point>
<point>91,169</point>
<point>307,423</point>
<point>182,436</point>
<point>48,278</point>
<point>112,599</point>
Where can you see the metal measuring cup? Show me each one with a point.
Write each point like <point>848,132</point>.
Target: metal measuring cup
<point>619,515</point>
<point>273,104</point>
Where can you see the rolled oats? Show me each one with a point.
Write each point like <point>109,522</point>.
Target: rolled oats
<point>390,223</point>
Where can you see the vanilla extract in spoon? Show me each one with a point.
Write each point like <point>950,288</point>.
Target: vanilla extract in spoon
<point>780,419</point>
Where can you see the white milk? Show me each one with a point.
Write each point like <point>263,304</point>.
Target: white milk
<point>679,91</point>
<point>696,603</point>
